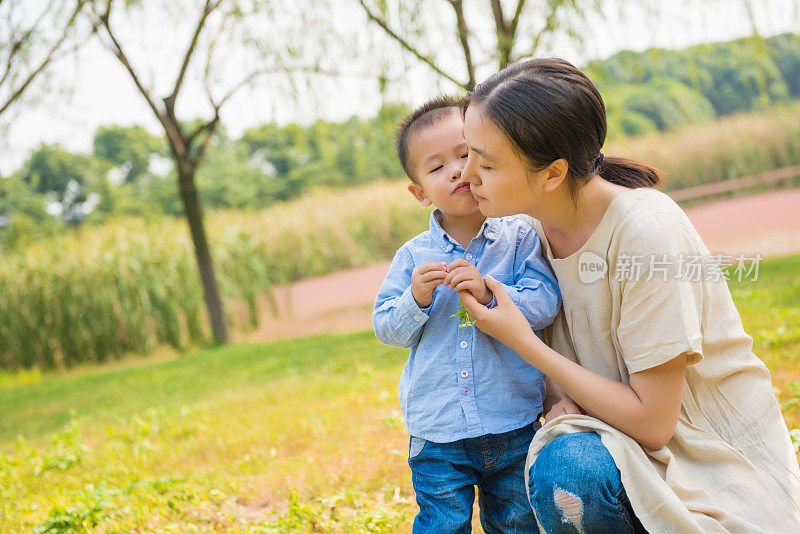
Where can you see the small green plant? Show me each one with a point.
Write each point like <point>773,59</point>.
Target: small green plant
<point>463,316</point>
<point>93,507</point>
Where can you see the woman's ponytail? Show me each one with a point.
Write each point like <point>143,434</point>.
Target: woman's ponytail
<point>628,172</point>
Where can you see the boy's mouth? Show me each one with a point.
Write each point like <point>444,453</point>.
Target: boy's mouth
<point>462,187</point>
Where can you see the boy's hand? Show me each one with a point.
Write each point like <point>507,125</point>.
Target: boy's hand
<point>463,276</point>
<point>424,279</point>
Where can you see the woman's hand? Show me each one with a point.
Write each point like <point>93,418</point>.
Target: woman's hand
<point>563,407</point>
<point>504,322</point>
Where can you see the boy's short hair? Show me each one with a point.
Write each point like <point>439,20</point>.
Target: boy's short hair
<point>424,116</point>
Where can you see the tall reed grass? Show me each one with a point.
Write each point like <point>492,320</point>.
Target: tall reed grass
<point>130,285</point>
<point>733,147</point>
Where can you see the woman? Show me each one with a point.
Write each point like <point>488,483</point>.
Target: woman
<point>667,421</point>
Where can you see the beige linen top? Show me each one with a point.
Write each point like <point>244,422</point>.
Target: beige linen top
<point>730,466</point>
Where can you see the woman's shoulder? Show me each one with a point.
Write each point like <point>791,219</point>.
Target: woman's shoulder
<point>648,220</point>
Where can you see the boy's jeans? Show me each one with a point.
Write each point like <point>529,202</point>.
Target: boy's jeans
<point>444,476</point>
<point>575,487</point>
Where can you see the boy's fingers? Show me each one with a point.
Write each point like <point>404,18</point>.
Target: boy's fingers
<point>458,278</point>
<point>460,262</point>
<point>431,265</point>
<point>459,270</point>
<point>430,276</point>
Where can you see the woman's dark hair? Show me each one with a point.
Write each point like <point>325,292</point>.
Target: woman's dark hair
<point>550,110</point>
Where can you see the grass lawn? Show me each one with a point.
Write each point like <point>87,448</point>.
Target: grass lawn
<point>291,436</point>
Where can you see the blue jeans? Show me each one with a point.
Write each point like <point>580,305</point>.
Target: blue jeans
<point>575,487</point>
<point>444,476</point>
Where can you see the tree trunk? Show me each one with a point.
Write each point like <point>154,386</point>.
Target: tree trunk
<point>194,214</point>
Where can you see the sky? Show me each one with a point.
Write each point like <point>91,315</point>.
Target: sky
<point>93,89</point>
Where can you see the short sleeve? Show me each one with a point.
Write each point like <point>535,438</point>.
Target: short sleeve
<point>661,303</point>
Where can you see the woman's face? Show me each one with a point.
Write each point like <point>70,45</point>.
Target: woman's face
<point>500,180</point>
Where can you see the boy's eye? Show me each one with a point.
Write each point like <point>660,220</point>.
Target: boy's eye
<point>486,167</point>
<point>436,168</point>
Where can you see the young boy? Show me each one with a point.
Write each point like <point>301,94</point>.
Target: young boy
<point>471,404</point>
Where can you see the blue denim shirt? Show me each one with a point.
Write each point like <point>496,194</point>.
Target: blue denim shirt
<point>458,382</point>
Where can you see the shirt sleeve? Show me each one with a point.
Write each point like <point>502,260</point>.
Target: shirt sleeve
<point>660,306</point>
<point>396,318</point>
<point>535,289</point>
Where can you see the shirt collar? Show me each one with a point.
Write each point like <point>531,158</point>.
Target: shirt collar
<point>489,230</point>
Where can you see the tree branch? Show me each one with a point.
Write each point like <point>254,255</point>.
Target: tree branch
<point>550,24</point>
<point>506,31</point>
<point>517,15</point>
<point>170,100</point>
<point>463,35</point>
<point>209,128</point>
<point>170,126</point>
<point>16,94</point>
<point>428,61</point>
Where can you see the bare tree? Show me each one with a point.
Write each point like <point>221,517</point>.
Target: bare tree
<point>215,22</point>
<point>410,25</point>
<point>32,39</point>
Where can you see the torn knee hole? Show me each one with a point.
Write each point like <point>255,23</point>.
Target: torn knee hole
<point>570,505</point>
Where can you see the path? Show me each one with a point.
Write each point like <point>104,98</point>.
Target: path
<point>768,223</point>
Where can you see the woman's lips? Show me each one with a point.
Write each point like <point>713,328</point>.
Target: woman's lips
<point>478,197</point>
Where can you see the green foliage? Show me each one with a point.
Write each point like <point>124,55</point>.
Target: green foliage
<point>127,147</point>
<point>66,176</point>
<point>352,152</point>
<point>785,52</point>
<point>659,104</point>
<point>734,76</point>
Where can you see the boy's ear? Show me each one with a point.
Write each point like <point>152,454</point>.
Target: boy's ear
<point>419,194</point>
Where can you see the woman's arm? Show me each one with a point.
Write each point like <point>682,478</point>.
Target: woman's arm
<point>646,410</point>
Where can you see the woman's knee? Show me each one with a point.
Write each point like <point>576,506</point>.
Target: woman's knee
<point>570,466</point>
<point>570,473</point>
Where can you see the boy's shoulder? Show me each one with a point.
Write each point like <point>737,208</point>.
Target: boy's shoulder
<point>515,225</point>
<point>415,243</point>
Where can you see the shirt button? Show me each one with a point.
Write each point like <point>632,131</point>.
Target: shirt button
<point>463,344</point>
<point>490,235</point>
<point>464,374</point>
<point>468,256</point>
<point>418,318</point>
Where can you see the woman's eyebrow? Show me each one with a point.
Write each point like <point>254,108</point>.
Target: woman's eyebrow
<point>482,153</point>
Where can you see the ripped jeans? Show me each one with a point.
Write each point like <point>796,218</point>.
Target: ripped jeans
<point>575,488</point>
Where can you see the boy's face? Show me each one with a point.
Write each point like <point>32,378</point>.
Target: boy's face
<point>437,154</point>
